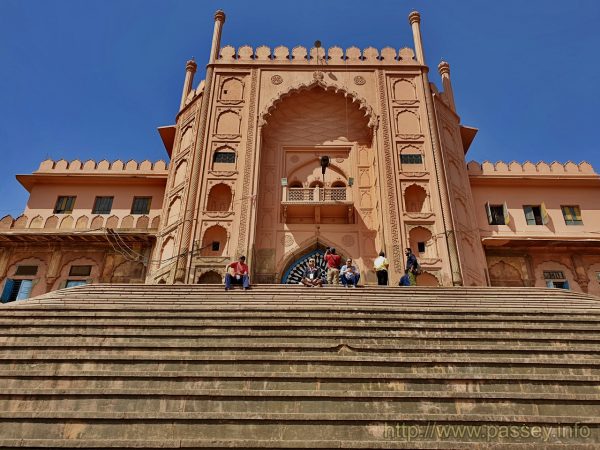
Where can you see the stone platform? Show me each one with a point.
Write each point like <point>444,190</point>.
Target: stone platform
<point>156,366</point>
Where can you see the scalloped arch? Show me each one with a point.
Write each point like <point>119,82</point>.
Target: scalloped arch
<point>300,87</point>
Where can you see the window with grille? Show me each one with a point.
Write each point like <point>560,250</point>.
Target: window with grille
<point>102,205</point>
<point>411,159</point>
<point>572,215</point>
<point>556,279</point>
<point>215,246</point>
<point>141,205</point>
<point>80,271</point>
<point>26,270</point>
<point>224,157</point>
<point>64,205</point>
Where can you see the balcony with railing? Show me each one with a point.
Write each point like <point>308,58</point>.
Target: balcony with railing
<point>317,205</point>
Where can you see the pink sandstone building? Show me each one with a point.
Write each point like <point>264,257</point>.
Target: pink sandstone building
<point>245,177</point>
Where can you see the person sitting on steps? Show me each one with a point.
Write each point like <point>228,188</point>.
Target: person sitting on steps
<point>312,275</point>
<point>237,273</point>
<point>405,280</point>
<point>349,274</point>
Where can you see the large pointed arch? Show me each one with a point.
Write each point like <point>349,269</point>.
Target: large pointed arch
<point>297,88</point>
<point>311,247</point>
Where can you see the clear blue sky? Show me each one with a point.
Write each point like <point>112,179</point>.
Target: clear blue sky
<point>92,79</point>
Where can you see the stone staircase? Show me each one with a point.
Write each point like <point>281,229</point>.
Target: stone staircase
<point>155,366</point>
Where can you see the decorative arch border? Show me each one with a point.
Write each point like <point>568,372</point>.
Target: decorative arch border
<point>300,87</point>
<point>301,252</point>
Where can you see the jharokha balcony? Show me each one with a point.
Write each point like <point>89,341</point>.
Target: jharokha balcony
<point>317,205</point>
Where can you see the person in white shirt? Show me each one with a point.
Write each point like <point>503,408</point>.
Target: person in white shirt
<point>381,269</point>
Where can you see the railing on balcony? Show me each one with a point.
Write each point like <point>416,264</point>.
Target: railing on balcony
<point>316,195</point>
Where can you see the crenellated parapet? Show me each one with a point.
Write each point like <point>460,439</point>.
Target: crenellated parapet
<point>103,167</point>
<point>514,168</point>
<point>80,223</point>
<point>331,56</point>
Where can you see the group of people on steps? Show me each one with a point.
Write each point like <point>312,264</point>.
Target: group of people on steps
<point>348,275</point>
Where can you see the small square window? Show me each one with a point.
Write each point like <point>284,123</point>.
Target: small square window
<point>215,246</point>
<point>421,247</point>
<point>64,205</point>
<point>411,159</point>
<point>497,214</point>
<point>102,205</point>
<point>73,283</point>
<point>535,214</point>
<point>572,215</point>
<point>80,271</point>
<point>26,270</point>
<point>141,205</point>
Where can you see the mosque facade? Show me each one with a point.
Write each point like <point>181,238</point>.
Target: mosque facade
<point>278,154</point>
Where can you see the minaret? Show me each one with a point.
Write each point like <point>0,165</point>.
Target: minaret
<point>444,70</point>
<point>184,247</point>
<point>190,70</point>
<point>414,18</point>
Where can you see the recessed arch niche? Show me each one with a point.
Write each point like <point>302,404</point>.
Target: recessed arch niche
<point>421,235</point>
<point>228,123</point>
<point>232,89</point>
<point>415,199</point>
<point>219,198</point>
<point>214,241</point>
<point>210,277</point>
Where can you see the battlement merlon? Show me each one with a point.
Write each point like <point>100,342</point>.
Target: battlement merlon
<point>316,57</point>
<point>541,169</point>
<point>130,172</point>
<point>104,166</point>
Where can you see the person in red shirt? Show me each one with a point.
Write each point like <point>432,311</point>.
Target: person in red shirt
<point>333,266</point>
<point>237,273</point>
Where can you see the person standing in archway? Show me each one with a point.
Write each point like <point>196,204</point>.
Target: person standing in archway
<point>380,265</point>
<point>333,266</point>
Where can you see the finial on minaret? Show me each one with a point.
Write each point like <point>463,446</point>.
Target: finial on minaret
<point>190,70</point>
<point>414,18</point>
<point>216,41</point>
<point>444,70</point>
<point>191,65</point>
<point>220,15</point>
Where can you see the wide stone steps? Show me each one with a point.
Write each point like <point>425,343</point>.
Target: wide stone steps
<point>129,366</point>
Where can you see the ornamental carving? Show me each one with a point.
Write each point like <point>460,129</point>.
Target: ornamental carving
<point>318,75</point>
<point>359,80</point>
<point>348,240</point>
<point>276,79</point>
<point>287,240</point>
<point>218,214</point>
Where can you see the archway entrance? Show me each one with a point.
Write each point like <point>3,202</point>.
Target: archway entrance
<point>293,274</point>
<point>295,198</point>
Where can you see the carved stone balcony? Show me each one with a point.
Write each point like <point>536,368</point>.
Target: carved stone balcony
<point>317,205</point>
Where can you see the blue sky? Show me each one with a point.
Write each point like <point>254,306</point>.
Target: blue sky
<point>92,79</point>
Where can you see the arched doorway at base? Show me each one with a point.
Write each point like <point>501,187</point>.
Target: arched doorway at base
<point>293,273</point>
